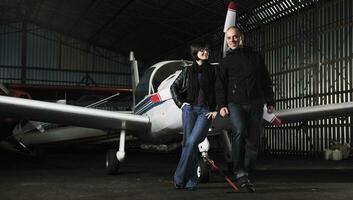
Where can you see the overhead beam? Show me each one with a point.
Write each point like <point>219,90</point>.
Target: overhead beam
<point>110,20</point>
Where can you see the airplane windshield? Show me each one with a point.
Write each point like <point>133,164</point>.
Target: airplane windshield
<point>142,87</point>
<point>164,72</point>
<point>156,75</point>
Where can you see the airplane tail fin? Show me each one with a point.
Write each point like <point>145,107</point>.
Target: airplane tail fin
<point>230,21</point>
<point>134,77</point>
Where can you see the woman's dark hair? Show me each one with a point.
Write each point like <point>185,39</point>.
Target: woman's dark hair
<point>195,47</point>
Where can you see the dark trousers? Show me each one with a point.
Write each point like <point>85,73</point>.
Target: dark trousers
<point>246,121</point>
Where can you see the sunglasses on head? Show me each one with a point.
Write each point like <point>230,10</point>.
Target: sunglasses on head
<point>204,49</point>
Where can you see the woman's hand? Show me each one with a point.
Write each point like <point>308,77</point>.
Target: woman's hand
<point>224,111</point>
<point>211,115</point>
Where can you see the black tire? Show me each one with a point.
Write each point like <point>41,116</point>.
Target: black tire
<point>203,171</point>
<point>111,162</point>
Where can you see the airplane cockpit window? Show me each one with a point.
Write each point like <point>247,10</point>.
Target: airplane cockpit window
<point>155,76</point>
<point>143,86</point>
<point>164,72</point>
<point>166,81</point>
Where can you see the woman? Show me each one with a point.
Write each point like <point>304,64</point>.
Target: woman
<point>193,92</point>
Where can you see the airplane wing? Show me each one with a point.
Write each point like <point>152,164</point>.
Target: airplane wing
<point>71,115</point>
<point>315,112</point>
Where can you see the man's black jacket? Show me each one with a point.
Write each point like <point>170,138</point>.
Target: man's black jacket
<point>242,78</point>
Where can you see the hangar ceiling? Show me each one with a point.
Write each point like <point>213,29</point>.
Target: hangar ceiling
<point>151,28</point>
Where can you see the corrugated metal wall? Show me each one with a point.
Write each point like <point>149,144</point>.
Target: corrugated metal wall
<point>10,52</point>
<point>50,58</point>
<point>310,58</point>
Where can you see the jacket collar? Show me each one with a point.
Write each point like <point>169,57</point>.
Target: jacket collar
<point>198,67</point>
<point>238,50</point>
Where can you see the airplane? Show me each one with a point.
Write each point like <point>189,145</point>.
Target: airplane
<point>154,117</point>
<point>152,120</point>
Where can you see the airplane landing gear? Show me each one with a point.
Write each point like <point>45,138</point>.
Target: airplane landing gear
<point>203,168</point>
<point>111,162</point>
<point>113,157</point>
<point>203,171</point>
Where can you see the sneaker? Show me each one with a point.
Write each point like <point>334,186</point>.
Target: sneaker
<point>248,189</point>
<point>245,185</point>
<point>192,188</point>
<point>176,186</point>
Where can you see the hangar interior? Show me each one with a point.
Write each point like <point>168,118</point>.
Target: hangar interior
<point>73,47</point>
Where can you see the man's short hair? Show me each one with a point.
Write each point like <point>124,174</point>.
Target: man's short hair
<point>241,42</point>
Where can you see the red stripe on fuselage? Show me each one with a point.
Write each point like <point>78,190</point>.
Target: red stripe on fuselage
<point>155,98</point>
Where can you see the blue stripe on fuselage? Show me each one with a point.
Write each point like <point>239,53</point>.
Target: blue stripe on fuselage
<point>146,106</point>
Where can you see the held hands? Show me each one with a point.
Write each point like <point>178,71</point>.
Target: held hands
<point>211,115</point>
<point>224,111</point>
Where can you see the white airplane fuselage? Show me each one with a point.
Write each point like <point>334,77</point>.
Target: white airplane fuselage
<point>159,107</point>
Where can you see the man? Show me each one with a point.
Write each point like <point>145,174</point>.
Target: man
<point>244,86</point>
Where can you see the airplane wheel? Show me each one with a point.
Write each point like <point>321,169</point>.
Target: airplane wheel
<point>203,171</point>
<point>112,162</point>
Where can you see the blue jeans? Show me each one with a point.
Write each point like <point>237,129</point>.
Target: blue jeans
<point>246,121</point>
<point>195,126</point>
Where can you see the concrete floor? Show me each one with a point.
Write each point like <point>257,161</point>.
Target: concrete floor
<point>80,174</point>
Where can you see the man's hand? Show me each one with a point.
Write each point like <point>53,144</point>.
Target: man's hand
<point>224,111</point>
<point>270,109</point>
